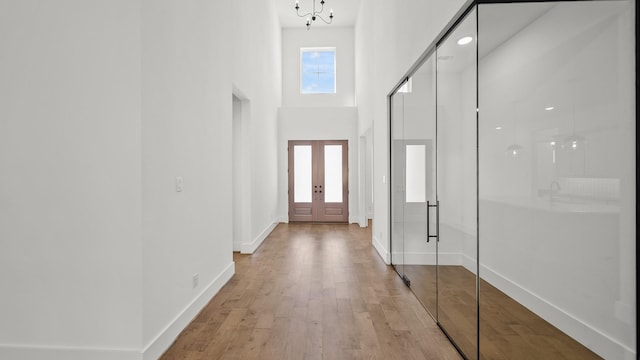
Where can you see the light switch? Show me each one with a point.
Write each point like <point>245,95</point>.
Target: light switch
<point>384,179</point>
<point>179,184</point>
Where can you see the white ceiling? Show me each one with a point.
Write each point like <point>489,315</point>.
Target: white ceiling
<point>344,12</point>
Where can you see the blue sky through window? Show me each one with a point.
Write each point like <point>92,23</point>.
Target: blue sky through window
<point>318,71</point>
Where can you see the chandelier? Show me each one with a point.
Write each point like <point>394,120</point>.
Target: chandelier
<point>313,15</point>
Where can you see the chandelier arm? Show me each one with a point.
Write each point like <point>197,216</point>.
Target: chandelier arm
<point>325,21</point>
<point>311,16</point>
<point>307,14</point>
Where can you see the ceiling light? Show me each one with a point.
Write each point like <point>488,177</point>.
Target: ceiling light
<point>514,150</point>
<point>549,108</point>
<point>574,141</point>
<point>465,40</point>
<point>498,127</point>
<point>314,14</point>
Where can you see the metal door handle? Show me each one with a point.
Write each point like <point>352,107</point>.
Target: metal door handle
<point>437,206</point>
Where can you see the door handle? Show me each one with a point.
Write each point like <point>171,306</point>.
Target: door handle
<point>437,235</point>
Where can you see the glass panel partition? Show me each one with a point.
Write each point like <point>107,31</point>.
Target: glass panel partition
<point>420,168</point>
<point>557,185</point>
<point>457,184</point>
<point>397,182</point>
<point>519,128</point>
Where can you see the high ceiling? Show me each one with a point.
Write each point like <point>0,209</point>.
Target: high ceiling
<point>344,12</point>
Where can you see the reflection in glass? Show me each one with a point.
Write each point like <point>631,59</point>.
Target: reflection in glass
<point>419,138</point>
<point>557,225</point>
<point>536,257</point>
<point>457,184</point>
<point>416,172</point>
<point>397,182</point>
<point>303,176</point>
<point>333,173</point>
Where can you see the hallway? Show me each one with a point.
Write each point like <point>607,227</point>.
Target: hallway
<point>313,292</point>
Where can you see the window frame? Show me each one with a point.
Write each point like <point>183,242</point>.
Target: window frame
<point>335,69</point>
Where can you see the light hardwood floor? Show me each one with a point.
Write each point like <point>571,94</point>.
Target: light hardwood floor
<point>313,292</point>
<point>508,330</point>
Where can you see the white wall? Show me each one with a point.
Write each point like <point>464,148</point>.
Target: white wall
<point>339,37</point>
<point>187,126</point>
<point>385,49</point>
<point>70,199</point>
<point>318,116</point>
<point>102,106</point>
<point>320,124</point>
<point>186,119</point>
<point>257,74</point>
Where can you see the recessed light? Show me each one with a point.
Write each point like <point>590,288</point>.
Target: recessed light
<point>549,108</point>
<point>498,127</point>
<point>465,40</point>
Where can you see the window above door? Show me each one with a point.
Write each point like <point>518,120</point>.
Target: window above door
<point>318,70</point>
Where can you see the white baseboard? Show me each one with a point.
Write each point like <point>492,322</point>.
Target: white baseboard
<point>29,352</point>
<point>167,336</point>
<point>469,263</point>
<point>590,337</point>
<point>384,254</point>
<point>152,351</point>
<point>282,219</point>
<point>249,248</point>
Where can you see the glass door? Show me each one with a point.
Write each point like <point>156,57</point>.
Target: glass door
<point>397,182</point>
<point>420,212</point>
<point>318,181</point>
<point>457,186</point>
<point>413,183</point>
<point>557,216</point>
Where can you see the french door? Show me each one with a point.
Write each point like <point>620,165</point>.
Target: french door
<point>318,181</point>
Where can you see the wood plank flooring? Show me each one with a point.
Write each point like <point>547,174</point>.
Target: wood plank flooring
<point>313,292</point>
<point>508,330</point>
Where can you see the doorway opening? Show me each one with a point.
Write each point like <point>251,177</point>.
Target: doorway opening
<point>241,190</point>
<point>318,181</point>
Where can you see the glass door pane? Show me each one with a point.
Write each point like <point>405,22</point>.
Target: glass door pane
<point>557,218</point>
<point>318,180</point>
<point>420,183</point>
<point>397,182</point>
<point>416,182</point>
<point>457,185</point>
<point>302,174</point>
<point>332,185</point>
<point>333,173</point>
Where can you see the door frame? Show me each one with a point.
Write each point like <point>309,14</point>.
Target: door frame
<point>318,210</point>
